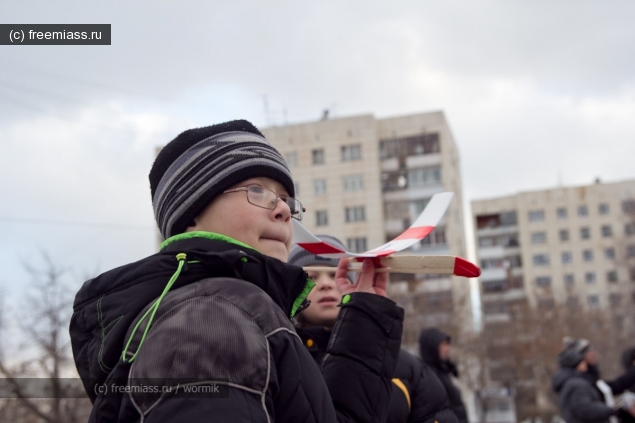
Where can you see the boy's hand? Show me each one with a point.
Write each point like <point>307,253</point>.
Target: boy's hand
<point>367,280</point>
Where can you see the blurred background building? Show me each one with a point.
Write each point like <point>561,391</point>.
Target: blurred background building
<point>554,262</point>
<point>569,245</point>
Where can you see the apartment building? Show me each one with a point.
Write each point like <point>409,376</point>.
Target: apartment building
<point>568,245</point>
<point>365,180</point>
<point>551,254</point>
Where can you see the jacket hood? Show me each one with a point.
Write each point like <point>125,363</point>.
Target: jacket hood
<point>628,356</point>
<point>561,376</point>
<point>429,342</point>
<point>106,306</point>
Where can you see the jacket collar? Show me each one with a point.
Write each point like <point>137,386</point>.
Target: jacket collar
<point>286,284</point>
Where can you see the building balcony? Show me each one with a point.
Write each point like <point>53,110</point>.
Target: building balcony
<point>497,230</point>
<point>493,274</point>
<point>497,251</point>
<point>496,318</point>
<point>508,295</point>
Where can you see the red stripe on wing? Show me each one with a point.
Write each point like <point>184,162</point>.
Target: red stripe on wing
<point>418,232</point>
<point>320,248</point>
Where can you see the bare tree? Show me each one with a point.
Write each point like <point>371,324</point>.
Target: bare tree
<point>36,380</point>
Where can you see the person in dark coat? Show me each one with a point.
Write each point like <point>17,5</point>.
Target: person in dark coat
<point>578,399</point>
<point>202,331</point>
<point>435,348</point>
<point>608,388</point>
<point>417,394</point>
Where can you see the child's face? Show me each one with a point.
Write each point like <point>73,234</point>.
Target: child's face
<point>230,214</point>
<point>325,298</point>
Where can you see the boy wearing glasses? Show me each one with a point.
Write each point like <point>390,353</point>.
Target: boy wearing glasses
<point>213,308</point>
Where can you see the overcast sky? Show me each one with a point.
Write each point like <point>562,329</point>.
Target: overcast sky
<point>535,93</point>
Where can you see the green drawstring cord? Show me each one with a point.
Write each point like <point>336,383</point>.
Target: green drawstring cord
<point>181,258</point>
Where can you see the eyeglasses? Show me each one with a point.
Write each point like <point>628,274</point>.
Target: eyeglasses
<point>267,199</point>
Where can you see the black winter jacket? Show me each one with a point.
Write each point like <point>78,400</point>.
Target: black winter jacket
<point>226,320</point>
<point>618,385</point>
<point>429,341</point>
<point>578,399</point>
<point>417,394</point>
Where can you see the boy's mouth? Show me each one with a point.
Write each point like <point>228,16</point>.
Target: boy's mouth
<point>327,300</point>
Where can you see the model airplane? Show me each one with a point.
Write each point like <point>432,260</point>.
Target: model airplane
<point>384,255</point>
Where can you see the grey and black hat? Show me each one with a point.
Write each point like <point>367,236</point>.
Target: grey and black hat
<point>579,344</point>
<point>570,358</point>
<point>201,163</point>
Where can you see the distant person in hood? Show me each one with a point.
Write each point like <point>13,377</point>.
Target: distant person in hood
<point>578,398</point>
<point>435,348</point>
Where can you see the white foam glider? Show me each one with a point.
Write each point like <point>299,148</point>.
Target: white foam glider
<point>422,226</point>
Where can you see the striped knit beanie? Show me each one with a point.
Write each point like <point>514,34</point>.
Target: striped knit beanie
<point>201,163</point>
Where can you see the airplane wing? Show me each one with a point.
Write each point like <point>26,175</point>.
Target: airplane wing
<point>422,226</point>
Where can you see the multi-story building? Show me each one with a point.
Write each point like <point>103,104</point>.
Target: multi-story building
<point>566,246</point>
<point>365,180</point>
<point>547,258</point>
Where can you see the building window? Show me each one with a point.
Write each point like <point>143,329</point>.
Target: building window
<point>291,158</point>
<point>594,301</point>
<point>355,214</point>
<point>353,183</point>
<point>564,234</point>
<point>318,156</point>
<point>569,280</point>
<point>543,281</point>
<point>629,229</point>
<point>615,299</point>
<point>589,277</point>
<point>538,237</point>
<point>607,231</point>
<point>561,213</point>
<point>494,286</point>
<point>609,253</point>
<point>319,187</point>
<point>321,218</point>
<point>630,251</point>
<point>585,233</point>
<point>351,152</point>
<point>424,177</point>
<point>628,206</point>
<point>436,238</point>
<point>393,181</point>
<point>604,208</point>
<point>356,245</point>
<point>583,211</point>
<point>536,215</point>
<point>587,255</point>
<point>541,260</point>
<point>611,276</point>
<point>566,257</point>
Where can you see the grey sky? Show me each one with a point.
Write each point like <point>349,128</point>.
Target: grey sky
<point>532,90</point>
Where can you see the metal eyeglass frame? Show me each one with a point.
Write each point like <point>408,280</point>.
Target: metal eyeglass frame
<point>300,211</point>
